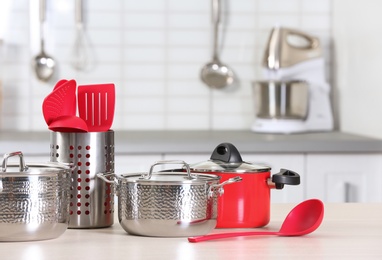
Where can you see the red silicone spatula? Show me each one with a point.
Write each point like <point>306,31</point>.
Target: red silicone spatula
<point>60,102</point>
<point>96,106</point>
<point>60,83</point>
<point>70,107</point>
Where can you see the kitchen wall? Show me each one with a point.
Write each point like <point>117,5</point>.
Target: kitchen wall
<point>357,37</point>
<point>153,51</point>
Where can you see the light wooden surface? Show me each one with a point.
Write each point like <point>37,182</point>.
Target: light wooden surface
<point>348,231</point>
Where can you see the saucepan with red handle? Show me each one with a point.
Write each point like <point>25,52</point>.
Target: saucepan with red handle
<point>246,204</point>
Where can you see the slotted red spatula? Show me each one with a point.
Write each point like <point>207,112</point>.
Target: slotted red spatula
<point>96,105</point>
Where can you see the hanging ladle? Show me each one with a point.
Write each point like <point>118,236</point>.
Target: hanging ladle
<point>43,63</point>
<point>216,74</point>
<point>303,219</point>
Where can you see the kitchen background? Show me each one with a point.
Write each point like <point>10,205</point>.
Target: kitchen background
<point>153,51</point>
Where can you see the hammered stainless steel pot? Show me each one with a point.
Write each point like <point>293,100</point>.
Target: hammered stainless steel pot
<point>168,204</point>
<point>34,200</point>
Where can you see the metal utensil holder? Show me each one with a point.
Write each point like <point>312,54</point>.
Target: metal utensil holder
<point>91,199</point>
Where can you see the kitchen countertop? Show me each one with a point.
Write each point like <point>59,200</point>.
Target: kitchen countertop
<point>170,142</point>
<point>348,231</point>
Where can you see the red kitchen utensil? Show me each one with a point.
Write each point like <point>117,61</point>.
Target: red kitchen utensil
<point>60,83</point>
<point>303,219</point>
<point>60,102</point>
<point>68,123</point>
<point>96,106</point>
<point>72,106</point>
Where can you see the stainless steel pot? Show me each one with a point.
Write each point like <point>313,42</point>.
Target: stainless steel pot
<point>34,200</point>
<point>168,204</point>
<point>281,99</point>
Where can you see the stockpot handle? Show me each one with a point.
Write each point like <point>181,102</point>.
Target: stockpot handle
<point>23,167</point>
<point>185,165</point>
<point>285,177</point>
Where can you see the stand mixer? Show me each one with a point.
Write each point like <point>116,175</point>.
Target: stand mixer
<point>295,96</point>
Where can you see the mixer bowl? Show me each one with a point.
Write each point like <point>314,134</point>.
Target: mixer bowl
<point>281,99</point>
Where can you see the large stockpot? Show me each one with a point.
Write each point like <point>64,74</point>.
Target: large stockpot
<point>246,204</point>
<point>168,204</point>
<point>34,199</point>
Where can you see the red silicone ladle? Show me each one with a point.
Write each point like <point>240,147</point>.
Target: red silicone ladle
<point>303,219</point>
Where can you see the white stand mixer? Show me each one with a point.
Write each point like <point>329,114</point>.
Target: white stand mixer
<point>284,62</point>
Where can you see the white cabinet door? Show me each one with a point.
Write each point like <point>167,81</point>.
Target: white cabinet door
<point>293,162</point>
<point>345,177</point>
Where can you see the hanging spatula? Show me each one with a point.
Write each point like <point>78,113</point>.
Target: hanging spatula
<point>96,105</point>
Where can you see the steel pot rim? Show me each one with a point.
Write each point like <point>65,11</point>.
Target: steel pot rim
<point>162,178</point>
<point>22,169</point>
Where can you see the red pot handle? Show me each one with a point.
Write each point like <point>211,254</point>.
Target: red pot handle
<point>285,177</point>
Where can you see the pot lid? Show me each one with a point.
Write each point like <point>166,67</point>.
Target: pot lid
<point>22,170</point>
<point>169,177</point>
<point>226,158</point>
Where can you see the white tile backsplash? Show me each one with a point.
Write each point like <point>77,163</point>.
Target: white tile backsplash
<point>311,6</point>
<point>153,51</point>
<point>279,6</point>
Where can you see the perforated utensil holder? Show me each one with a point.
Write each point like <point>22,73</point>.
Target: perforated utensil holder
<point>91,199</point>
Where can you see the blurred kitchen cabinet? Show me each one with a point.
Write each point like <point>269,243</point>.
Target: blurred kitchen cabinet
<point>344,177</point>
<point>293,162</point>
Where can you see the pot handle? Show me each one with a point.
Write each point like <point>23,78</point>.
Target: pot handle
<point>226,152</point>
<point>103,176</point>
<point>186,166</point>
<point>23,166</point>
<point>220,188</point>
<point>285,177</point>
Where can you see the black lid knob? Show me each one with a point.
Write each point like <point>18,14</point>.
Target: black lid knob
<point>226,152</point>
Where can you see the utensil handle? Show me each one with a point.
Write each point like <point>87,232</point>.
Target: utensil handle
<point>228,235</point>
<point>42,17</point>
<point>215,11</point>
<point>42,11</point>
<point>215,8</point>
<point>79,12</point>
